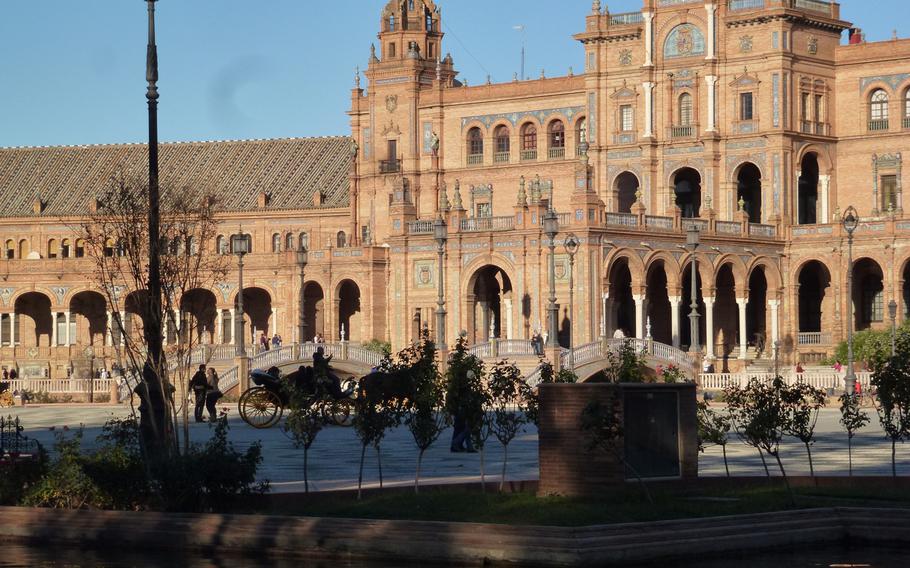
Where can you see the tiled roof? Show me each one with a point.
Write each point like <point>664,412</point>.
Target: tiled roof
<point>290,171</point>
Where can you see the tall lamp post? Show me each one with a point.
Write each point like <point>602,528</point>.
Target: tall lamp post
<point>692,242</point>
<point>551,229</point>
<point>571,245</point>
<point>850,222</point>
<point>240,246</point>
<point>301,310</point>
<point>441,234</point>
<point>892,313</point>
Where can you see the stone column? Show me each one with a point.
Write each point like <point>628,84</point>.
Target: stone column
<point>648,86</point>
<point>649,38</point>
<point>12,328</point>
<point>709,327</point>
<point>775,323</point>
<point>639,315</point>
<point>743,342</point>
<point>109,336</point>
<point>233,325</point>
<point>824,182</point>
<point>274,328</point>
<point>711,9</point>
<point>219,327</point>
<point>507,316</point>
<point>674,319</point>
<point>67,338</point>
<point>54,316</point>
<point>711,80</point>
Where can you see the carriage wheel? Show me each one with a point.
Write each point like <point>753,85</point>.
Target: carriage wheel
<point>260,408</point>
<point>6,399</point>
<point>340,412</point>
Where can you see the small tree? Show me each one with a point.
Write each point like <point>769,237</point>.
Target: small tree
<point>510,397</point>
<point>466,393</point>
<point>852,418</point>
<point>303,424</point>
<point>892,382</point>
<point>803,403</point>
<point>602,422</point>
<point>425,419</point>
<point>372,419</point>
<point>713,428</point>
<point>761,418</point>
<point>626,365</point>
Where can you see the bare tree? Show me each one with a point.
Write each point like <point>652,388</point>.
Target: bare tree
<point>115,237</point>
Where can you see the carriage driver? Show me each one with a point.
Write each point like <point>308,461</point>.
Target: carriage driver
<point>324,372</point>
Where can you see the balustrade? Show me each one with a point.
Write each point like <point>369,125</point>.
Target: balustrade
<point>622,219</point>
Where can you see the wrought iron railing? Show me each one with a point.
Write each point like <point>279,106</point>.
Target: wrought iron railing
<point>389,166</point>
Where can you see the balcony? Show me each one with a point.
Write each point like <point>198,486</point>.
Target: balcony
<point>528,155</point>
<point>479,224</point>
<point>906,122</point>
<point>556,153</point>
<point>475,159</point>
<point>501,158</point>
<point>814,6</point>
<point>389,166</point>
<point>878,125</point>
<point>682,131</point>
<point>814,338</point>
<point>424,227</point>
<point>759,230</point>
<point>622,219</point>
<point>742,5</point>
<point>626,19</point>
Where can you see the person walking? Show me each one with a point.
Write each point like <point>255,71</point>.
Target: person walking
<point>263,343</point>
<point>213,394</point>
<point>276,343</point>
<point>199,386</point>
<point>461,434</point>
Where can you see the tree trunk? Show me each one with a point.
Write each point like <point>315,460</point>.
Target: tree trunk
<point>786,479</point>
<point>379,460</point>
<point>363,453</point>
<point>417,476</point>
<point>726,465</point>
<point>811,467</point>
<point>893,459</point>
<point>505,460</point>
<point>764,463</point>
<point>306,477</point>
<point>850,453</point>
<point>483,479</point>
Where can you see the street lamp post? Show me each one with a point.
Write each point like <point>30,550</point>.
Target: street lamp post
<point>892,313</point>
<point>301,315</point>
<point>692,242</point>
<point>441,234</point>
<point>571,244</point>
<point>551,229</point>
<point>850,222</point>
<point>240,246</point>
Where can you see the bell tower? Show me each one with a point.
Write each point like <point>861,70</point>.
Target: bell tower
<point>410,29</point>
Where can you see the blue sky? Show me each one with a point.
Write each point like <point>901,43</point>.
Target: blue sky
<point>72,71</point>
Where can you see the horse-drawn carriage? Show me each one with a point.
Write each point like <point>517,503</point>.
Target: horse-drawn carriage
<point>6,394</point>
<point>262,406</point>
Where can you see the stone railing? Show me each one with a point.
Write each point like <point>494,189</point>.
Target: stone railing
<point>728,227</point>
<point>479,224</point>
<point>759,230</point>
<point>598,350</point>
<point>817,379</point>
<point>657,222</point>
<point>700,224</point>
<point>813,5</point>
<point>422,227</point>
<point>738,5</point>
<point>622,219</point>
<point>62,386</point>
<point>814,338</point>
<point>626,19</point>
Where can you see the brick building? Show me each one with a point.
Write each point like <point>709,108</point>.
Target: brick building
<point>757,121</point>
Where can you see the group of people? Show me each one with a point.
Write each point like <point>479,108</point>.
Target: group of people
<point>204,385</point>
<point>265,343</point>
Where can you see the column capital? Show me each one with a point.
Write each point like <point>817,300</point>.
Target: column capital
<point>774,303</point>
<point>711,79</point>
<point>649,85</point>
<point>675,299</point>
<point>709,300</point>
<point>742,302</point>
<point>647,15</point>
<point>638,298</point>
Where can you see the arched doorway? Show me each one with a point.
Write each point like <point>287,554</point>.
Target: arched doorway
<point>687,189</point>
<point>757,309</point>
<point>620,304</point>
<point>658,311</point>
<point>313,310</point>
<point>33,320</point>
<point>135,312</point>
<point>88,320</point>
<point>906,285</point>
<point>626,189</point>
<point>868,294</point>
<point>686,308</point>
<point>198,308</point>
<point>749,191</point>
<point>807,192</point>
<point>814,281</point>
<point>726,314</point>
<point>349,311</point>
<point>490,305</point>
<point>257,307</point>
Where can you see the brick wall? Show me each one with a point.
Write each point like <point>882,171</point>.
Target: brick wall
<point>568,467</point>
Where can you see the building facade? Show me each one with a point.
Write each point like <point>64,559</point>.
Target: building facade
<point>755,121</point>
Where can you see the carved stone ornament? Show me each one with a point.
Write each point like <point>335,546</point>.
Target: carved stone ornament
<point>625,57</point>
<point>745,44</point>
<point>391,103</point>
<point>812,47</point>
<point>6,294</point>
<point>390,128</point>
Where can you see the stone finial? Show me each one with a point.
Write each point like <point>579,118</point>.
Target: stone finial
<point>489,79</point>
<point>522,195</point>
<point>543,74</point>
<point>373,58</point>
<point>515,77</point>
<point>638,195</point>
<point>443,198</point>
<point>595,7</point>
<point>708,201</point>
<point>571,71</point>
<point>741,204</point>
<point>458,205</point>
<point>464,83</point>
<point>357,77</point>
<point>438,69</point>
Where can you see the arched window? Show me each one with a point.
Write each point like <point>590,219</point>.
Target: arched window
<point>10,249</point>
<point>907,108</point>
<point>685,110</point>
<point>193,245</point>
<point>52,250</point>
<point>276,243</point>
<point>392,23</point>
<point>66,249</point>
<point>80,248</point>
<point>529,142</point>
<point>341,240</point>
<point>249,239</point>
<point>221,245</point>
<point>557,134</point>
<point>24,248</point>
<point>878,110</point>
<point>303,241</point>
<point>176,247</point>
<point>289,241</point>
<point>503,145</point>
<point>581,132</point>
<point>475,146</point>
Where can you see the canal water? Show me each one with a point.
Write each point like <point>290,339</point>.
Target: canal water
<point>36,557</point>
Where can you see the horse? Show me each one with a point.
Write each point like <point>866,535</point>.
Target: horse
<point>396,388</point>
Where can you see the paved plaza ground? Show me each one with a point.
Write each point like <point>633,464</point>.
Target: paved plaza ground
<point>334,458</point>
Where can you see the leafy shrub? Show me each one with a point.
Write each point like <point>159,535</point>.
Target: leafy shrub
<point>384,348</point>
<point>17,476</point>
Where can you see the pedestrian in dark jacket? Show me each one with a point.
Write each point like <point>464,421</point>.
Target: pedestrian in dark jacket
<point>199,386</point>
<point>212,395</point>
